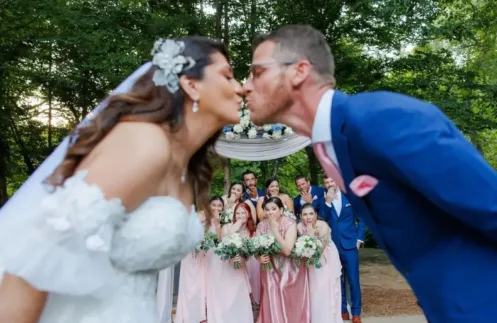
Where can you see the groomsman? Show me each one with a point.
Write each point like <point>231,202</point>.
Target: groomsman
<point>348,233</point>
<point>253,193</point>
<point>308,194</point>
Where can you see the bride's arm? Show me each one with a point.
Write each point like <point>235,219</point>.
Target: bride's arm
<point>20,303</point>
<point>131,173</point>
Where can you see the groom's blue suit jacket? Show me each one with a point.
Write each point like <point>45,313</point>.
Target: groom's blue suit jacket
<point>434,210</point>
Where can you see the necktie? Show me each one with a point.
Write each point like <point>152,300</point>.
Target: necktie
<point>328,165</point>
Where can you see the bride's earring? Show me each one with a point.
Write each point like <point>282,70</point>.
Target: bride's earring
<point>195,107</point>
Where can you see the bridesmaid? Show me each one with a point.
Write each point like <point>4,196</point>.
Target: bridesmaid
<point>273,189</point>
<point>237,195</point>
<point>324,283</point>
<point>228,289</point>
<point>285,288</point>
<point>192,292</point>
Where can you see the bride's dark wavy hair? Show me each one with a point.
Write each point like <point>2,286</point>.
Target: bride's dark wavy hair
<point>147,102</point>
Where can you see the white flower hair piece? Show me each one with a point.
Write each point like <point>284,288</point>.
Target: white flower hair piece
<point>169,61</point>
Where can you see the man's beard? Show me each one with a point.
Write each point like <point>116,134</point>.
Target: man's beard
<point>276,107</point>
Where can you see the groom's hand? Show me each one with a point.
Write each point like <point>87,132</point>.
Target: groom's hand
<point>306,196</point>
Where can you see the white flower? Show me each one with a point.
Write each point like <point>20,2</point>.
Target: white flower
<point>245,121</point>
<point>170,63</point>
<point>238,128</point>
<point>288,131</point>
<point>266,136</point>
<point>276,135</point>
<point>59,224</point>
<point>252,133</point>
<point>96,243</point>
<point>229,135</point>
<point>267,127</point>
<point>240,113</point>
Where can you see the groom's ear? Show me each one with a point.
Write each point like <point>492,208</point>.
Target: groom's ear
<point>301,71</point>
<point>190,87</point>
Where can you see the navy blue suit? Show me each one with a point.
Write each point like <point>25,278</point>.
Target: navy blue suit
<point>260,193</point>
<point>345,233</point>
<point>434,210</point>
<point>317,198</point>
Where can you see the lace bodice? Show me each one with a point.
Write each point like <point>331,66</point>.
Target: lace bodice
<point>79,243</point>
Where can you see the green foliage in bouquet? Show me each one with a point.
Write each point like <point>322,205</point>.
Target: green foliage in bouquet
<point>264,245</point>
<point>210,241</point>
<point>308,248</point>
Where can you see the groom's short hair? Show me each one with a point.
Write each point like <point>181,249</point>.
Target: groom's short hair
<point>302,42</point>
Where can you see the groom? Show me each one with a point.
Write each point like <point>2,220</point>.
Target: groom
<point>426,194</point>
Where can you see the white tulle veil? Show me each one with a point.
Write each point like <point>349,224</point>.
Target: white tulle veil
<point>30,194</point>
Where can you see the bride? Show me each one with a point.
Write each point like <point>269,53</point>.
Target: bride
<point>121,206</point>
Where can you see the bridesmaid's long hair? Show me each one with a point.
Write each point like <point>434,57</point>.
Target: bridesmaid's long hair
<point>250,219</point>
<point>244,190</point>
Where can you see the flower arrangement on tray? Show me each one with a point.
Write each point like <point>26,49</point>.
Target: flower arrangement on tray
<point>247,129</point>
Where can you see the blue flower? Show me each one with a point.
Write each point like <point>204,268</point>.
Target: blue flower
<point>277,127</point>
<point>227,129</point>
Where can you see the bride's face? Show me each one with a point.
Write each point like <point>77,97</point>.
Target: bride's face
<point>216,206</point>
<point>309,216</point>
<point>219,93</point>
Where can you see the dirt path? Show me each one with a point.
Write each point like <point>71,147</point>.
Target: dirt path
<point>384,291</point>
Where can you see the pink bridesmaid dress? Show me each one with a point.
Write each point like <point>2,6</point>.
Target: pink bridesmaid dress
<point>254,272</point>
<point>190,307</point>
<point>325,288</point>
<point>228,293</point>
<point>285,288</point>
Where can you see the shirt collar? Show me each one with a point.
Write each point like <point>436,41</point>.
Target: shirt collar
<point>321,128</point>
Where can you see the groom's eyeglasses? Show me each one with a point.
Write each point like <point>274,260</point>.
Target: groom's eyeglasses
<point>257,69</point>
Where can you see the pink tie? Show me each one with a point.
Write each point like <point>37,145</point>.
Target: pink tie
<point>328,165</point>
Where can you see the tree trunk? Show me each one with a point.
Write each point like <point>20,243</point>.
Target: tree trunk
<point>219,15</point>
<point>50,127</point>
<point>313,165</point>
<point>227,175</point>
<point>3,172</point>
<point>30,168</point>
<point>276,164</point>
<point>226,37</point>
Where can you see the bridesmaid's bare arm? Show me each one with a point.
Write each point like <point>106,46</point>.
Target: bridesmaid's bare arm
<point>261,214</point>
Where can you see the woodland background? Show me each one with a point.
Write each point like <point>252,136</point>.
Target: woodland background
<point>58,59</point>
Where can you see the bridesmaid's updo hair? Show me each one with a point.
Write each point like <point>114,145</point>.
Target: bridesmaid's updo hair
<point>276,200</point>
<point>216,198</point>
<point>244,189</point>
<point>147,102</point>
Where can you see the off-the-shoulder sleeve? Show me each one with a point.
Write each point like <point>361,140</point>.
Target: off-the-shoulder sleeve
<point>63,245</point>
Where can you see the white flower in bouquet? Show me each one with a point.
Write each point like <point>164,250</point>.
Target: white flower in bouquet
<point>232,246</point>
<point>276,135</point>
<point>266,136</point>
<point>238,128</point>
<point>240,113</point>
<point>267,127</point>
<point>288,131</point>
<point>308,248</point>
<point>252,133</point>
<point>245,121</point>
<point>229,135</point>
<point>264,245</point>
<point>226,216</point>
<point>289,213</point>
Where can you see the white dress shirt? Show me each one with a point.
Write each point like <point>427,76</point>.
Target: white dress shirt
<point>337,203</point>
<point>321,128</point>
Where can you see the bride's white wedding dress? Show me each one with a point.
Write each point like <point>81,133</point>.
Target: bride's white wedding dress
<point>98,263</point>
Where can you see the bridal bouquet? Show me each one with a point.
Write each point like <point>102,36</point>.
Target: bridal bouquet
<point>210,241</point>
<point>232,246</point>
<point>308,248</point>
<point>264,245</point>
<point>226,216</point>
